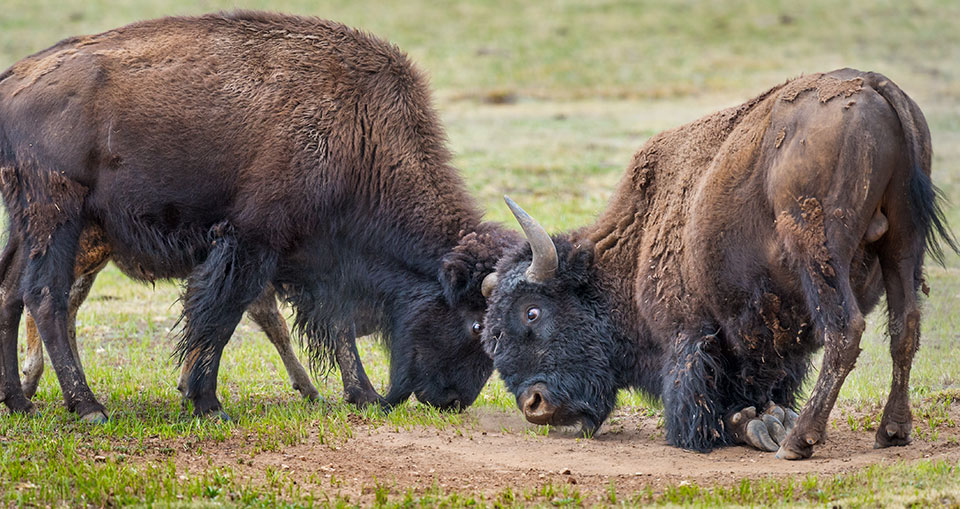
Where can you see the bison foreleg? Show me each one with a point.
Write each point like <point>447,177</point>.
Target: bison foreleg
<point>265,314</point>
<point>218,291</point>
<point>692,397</point>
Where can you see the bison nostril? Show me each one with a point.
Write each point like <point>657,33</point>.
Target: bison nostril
<point>533,403</point>
<point>536,406</point>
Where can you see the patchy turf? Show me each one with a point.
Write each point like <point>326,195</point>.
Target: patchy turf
<point>546,103</point>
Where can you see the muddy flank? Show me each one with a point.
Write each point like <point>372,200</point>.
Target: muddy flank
<point>495,450</point>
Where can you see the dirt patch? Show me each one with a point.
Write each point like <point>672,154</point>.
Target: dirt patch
<point>780,136</point>
<point>496,450</point>
<point>833,87</point>
<point>806,236</point>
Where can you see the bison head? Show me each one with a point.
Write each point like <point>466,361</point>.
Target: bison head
<point>549,332</point>
<point>438,357</point>
<point>443,362</point>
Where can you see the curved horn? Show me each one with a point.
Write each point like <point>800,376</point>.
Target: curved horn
<point>488,284</point>
<point>544,264</point>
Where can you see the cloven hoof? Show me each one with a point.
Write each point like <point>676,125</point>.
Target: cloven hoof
<point>95,417</point>
<point>310,394</point>
<point>217,415</point>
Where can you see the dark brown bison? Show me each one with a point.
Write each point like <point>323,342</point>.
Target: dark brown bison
<point>243,151</point>
<point>93,253</point>
<point>733,249</point>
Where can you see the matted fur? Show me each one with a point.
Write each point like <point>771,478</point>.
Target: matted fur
<point>733,248</point>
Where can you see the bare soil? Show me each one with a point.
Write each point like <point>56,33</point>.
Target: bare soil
<point>497,450</point>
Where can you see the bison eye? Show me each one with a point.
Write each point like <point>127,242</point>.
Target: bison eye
<point>533,314</point>
<point>476,328</point>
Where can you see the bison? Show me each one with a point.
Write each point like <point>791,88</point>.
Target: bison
<point>733,249</point>
<point>245,151</point>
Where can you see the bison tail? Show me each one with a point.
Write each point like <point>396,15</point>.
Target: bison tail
<point>692,396</point>
<point>926,199</point>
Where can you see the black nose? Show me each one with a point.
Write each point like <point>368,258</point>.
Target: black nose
<point>452,404</point>
<point>536,406</point>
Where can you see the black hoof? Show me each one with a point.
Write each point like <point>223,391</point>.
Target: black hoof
<point>18,404</point>
<point>361,399</point>
<point>893,434</point>
<point>767,431</point>
<point>217,415</point>
<point>95,417</point>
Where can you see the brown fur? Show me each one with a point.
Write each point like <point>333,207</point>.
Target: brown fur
<point>243,150</point>
<point>733,248</point>
<point>693,214</point>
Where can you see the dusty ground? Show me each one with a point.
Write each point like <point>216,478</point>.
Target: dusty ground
<point>496,450</point>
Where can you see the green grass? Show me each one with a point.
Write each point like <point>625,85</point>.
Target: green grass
<point>545,102</point>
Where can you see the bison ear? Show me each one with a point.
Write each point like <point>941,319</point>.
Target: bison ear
<point>463,269</point>
<point>456,277</point>
<point>579,261</point>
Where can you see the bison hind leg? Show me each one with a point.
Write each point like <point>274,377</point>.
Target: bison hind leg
<point>11,309</point>
<point>692,396</point>
<point>901,259</point>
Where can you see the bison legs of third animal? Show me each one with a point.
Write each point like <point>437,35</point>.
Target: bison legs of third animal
<point>266,315</point>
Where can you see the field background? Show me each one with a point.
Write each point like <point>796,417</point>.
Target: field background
<point>545,101</point>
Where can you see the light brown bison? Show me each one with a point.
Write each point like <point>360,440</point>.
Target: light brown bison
<point>734,248</point>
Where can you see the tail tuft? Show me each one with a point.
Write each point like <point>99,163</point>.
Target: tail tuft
<point>926,200</point>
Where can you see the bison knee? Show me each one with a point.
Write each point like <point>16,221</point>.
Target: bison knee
<point>42,303</point>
